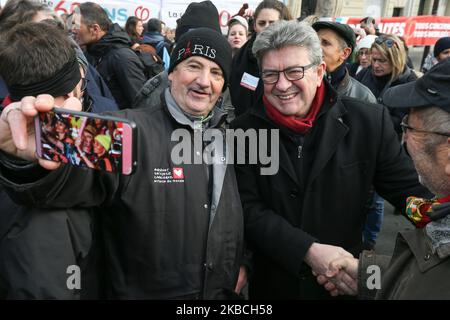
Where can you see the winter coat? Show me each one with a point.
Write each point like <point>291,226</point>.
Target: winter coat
<point>38,245</point>
<point>157,41</point>
<point>163,237</point>
<point>119,65</point>
<point>351,87</point>
<point>414,272</point>
<point>367,78</point>
<point>322,195</point>
<point>242,97</point>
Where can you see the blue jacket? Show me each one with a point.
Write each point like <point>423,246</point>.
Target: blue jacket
<point>98,91</point>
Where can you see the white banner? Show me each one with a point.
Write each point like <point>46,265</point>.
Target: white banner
<point>166,10</point>
<point>172,10</point>
<point>118,10</point>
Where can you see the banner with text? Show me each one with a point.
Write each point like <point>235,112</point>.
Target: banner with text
<point>417,30</point>
<point>168,11</point>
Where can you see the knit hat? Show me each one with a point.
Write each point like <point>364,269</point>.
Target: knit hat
<point>206,43</point>
<point>366,42</point>
<point>197,15</point>
<point>343,30</point>
<point>441,45</point>
<point>104,140</point>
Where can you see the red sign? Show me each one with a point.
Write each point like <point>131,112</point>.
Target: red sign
<point>417,30</point>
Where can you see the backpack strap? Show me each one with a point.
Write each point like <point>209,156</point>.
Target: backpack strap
<point>159,47</point>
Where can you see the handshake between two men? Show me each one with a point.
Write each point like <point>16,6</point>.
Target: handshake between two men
<point>334,268</point>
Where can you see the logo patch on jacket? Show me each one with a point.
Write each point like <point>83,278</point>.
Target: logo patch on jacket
<point>177,173</point>
<point>168,175</point>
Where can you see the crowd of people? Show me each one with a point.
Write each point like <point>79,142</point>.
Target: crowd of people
<point>351,122</point>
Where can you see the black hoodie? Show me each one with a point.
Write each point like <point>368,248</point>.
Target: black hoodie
<point>119,65</point>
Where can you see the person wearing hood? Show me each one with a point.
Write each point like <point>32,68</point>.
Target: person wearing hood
<point>108,49</point>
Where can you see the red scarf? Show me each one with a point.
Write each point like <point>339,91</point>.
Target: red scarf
<point>417,209</point>
<point>6,101</point>
<point>296,124</point>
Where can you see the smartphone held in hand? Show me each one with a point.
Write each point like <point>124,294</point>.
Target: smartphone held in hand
<point>86,140</point>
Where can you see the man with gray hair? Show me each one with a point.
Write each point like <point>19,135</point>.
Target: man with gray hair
<point>421,260</point>
<point>331,151</point>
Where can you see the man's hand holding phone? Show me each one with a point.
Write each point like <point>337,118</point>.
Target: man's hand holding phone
<point>17,134</point>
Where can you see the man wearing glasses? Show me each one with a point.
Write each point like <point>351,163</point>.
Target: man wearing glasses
<point>420,266</point>
<point>331,151</point>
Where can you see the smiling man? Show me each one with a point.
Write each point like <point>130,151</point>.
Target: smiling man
<point>331,151</point>
<point>172,230</point>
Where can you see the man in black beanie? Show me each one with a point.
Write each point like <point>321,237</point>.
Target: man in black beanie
<point>203,42</point>
<point>174,230</point>
<point>442,49</point>
<point>198,14</point>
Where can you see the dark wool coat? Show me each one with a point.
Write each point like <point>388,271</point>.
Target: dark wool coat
<point>321,196</point>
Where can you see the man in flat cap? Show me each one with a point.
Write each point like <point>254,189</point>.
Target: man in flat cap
<point>173,230</point>
<point>420,266</point>
<point>337,41</point>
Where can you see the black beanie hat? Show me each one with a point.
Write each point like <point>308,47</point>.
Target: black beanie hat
<point>197,15</point>
<point>343,30</point>
<point>441,45</point>
<point>206,43</point>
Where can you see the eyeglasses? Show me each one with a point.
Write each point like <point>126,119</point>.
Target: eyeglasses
<point>291,73</point>
<point>405,126</point>
<point>388,42</point>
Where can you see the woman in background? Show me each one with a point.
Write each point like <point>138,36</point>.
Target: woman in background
<point>237,33</point>
<point>134,27</point>
<point>388,70</point>
<point>245,87</point>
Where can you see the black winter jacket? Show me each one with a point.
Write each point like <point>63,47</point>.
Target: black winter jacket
<point>119,65</point>
<point>161,238</point>
<point>322,196</point>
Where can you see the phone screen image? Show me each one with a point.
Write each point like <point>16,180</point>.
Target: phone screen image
<point>90,141</point>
